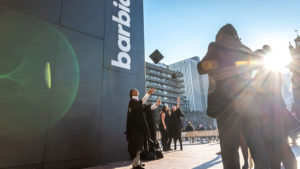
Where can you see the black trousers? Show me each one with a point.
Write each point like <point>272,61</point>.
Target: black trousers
<point>280,151</point>
<point>169,140</point>
<point>231,125</point>
<point>164,137</point>
<point>180,142</point>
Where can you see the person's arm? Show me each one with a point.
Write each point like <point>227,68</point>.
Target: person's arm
<point>163,116</point>
<point>178,102</point>
<point>153,107</point>
<point>146,97</point>
<point>180,112</point>
<point>208,64</point>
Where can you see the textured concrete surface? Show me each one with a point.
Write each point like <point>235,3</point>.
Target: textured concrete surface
<point>193,156</point>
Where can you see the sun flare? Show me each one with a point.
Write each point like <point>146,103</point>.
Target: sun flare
<point>277,60</point>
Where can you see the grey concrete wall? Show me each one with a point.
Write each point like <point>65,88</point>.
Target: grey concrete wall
<point>62,102</point>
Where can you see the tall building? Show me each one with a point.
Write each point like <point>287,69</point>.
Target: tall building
<point>196,86</point>
<point>169,85</point>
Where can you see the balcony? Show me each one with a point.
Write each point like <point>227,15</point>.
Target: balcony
<point>164,76</point>
<point>166,82</point>
<point>163,70</point>
<point>173,90</point>
<point>164,101</point>
<point>168,95</point>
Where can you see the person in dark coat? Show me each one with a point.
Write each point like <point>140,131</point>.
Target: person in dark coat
<point>137,125</point>
<point>276,120</point>
<point>170,127</point>
<point>226,65</point>
<point>177,124</point>
<point>151,121</point>
<point>163,127</point>
<point>190,127</point>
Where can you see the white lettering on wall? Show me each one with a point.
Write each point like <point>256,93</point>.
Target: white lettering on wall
<point>123,21</point>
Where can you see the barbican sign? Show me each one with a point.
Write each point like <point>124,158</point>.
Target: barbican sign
<point>123,22</point>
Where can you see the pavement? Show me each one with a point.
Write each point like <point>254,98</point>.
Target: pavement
<point>193,156</point>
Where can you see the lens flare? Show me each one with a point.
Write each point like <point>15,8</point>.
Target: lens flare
<point>48,75</point>
<point>277,61</point>
<point>279,56</point>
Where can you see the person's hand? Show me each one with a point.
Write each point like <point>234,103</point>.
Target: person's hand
<point>165,127</point>
<point>158,102</point>
<point>151,90</point>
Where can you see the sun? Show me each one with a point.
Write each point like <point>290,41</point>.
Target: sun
<point>277,60</point>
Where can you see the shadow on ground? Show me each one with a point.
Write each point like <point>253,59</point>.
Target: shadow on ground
<point>114,165</point>
<point>210,163</point>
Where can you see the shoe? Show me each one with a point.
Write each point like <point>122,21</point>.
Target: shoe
<point>218,153</point>
<point>138,167</point>
<point>245,166</point>
<point>142,164</point>
<point>170,149</point>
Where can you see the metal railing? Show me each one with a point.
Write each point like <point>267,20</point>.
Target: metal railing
<point>194,134</point>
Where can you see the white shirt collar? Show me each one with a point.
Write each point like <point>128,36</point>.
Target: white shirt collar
<point>135,97</point>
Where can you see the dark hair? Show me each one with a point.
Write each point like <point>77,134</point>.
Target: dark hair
<point>266,48</point>
<point>130,93</point>
<point>229,30</point>
<point>164,109</point>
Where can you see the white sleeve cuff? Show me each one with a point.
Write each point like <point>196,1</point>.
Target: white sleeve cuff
<point>145,98</point>
<point>153,107</point>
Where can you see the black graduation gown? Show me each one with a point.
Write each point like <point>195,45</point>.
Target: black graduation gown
<point>176,123</point>
<point>151,121</point>
<point>136,126</point>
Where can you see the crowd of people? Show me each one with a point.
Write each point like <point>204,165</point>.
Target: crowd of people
<point>243,96</point>
<point>170,126</point>
<point>141,132</point>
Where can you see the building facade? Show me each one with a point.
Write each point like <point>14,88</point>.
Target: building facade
<point>168,85</point>
<point>65,73</point>
<point>196,86</point>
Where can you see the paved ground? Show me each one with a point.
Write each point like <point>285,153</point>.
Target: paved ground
<point>193,156</point>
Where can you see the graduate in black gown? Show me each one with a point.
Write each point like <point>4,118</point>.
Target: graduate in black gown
<point>169,124</point>
<point>137,125</point>
<point>176,124</point>
<point>163,127</point>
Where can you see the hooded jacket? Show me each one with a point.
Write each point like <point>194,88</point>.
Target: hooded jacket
<point>226,63</point>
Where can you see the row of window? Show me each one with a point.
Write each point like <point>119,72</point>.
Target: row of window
<point>160,79</point>
<point>160,73</point>
<point>154,97</point>
<point>159,91</point>
<point>154,84</point>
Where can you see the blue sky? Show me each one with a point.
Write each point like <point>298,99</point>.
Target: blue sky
<point>182,29</point>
